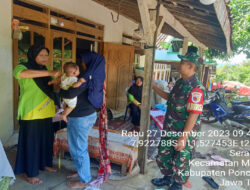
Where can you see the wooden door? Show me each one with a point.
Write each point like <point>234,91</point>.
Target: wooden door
<point>35,35</point>
<point>119,71</point>
<point>63,47</point>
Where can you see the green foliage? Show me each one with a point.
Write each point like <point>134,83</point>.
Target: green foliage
<point>240,12</point>
<point>58,53</point>
<point>165,45</point>
<point>219,78</point>
<point>239,73</point>
<point>213,53</point>
<point>233,96</point>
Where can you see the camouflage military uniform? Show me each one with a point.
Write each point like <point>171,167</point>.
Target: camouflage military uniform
<point>186,97</point>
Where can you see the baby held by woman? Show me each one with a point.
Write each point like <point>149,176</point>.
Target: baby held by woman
<point>69,79</point>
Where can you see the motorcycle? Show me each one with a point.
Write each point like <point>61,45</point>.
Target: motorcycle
<point>245,103</point>
<point>216,109</point>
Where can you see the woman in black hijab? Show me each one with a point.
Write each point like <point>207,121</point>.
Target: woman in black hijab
<point>135,98</point>
<point>36,108</point>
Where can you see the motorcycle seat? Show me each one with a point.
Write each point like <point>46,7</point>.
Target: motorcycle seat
<point>240,102</point>
<point>241,108</point>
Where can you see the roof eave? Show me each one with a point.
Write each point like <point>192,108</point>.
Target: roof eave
<point>222,14</point>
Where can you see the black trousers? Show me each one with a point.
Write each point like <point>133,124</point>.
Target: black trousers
<point>35,146</point>
<point>136,114</point>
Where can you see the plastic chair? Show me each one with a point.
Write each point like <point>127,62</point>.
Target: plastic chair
<point>127,107</point>
<point>125,116</point>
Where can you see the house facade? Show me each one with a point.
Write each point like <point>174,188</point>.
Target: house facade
<point>87,9</point>
<point>67,27</point>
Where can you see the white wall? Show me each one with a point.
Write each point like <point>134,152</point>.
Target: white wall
<point>95,12</point>
<point>6,87</point>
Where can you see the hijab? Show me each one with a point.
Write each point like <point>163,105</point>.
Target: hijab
<point>94,76</point>
<point>136,91</point>
<point>41,82</point>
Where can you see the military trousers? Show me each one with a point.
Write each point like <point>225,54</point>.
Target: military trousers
<point>175,163</point>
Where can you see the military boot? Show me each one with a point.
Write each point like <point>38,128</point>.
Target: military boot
<point>175,186</point>
<point>165,181</point>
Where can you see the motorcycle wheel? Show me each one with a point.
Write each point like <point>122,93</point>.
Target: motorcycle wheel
<point>208,116</point>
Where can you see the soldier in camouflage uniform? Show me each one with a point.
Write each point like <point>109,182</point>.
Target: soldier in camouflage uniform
<point>185,104</point>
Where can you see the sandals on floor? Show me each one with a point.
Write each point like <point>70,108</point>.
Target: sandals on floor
<point>211,182</point>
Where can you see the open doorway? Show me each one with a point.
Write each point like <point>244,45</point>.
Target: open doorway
<point>81,47</point>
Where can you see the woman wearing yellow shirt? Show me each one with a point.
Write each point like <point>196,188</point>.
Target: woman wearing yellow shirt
<point>135,98</point>
<point>36,108</point>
